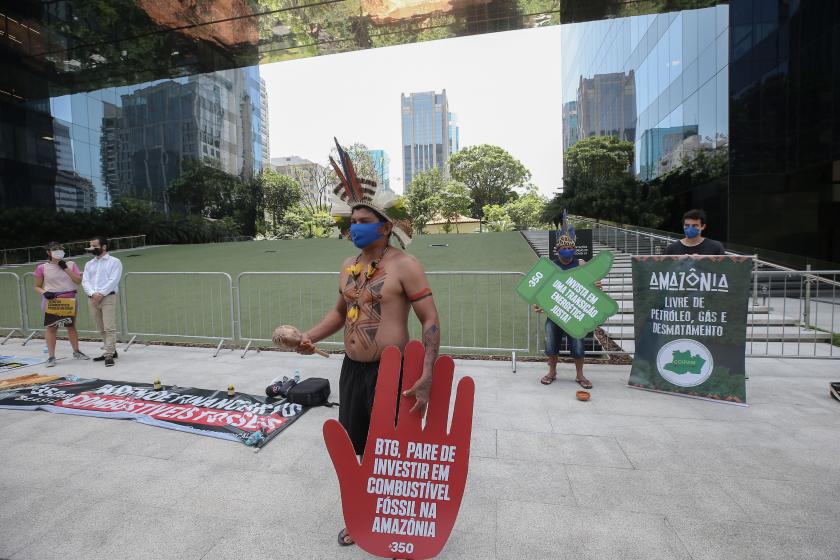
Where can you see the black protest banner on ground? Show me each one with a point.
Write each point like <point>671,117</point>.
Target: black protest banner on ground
<point>691,324</point>
<point>200,411</point>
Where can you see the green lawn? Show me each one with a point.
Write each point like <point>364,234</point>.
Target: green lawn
<point>477,310</point>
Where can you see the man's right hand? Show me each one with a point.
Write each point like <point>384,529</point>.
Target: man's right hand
<point>537,309</point>
<point>96,298</point>
<point>306,345</point>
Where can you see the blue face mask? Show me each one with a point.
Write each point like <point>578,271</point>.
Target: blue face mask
<point>365,234</point>
<point>566,254</point>
<point>691,231</point>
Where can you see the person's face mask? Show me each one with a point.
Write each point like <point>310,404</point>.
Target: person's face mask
<point>57,254</point>
<point>691,231</point>
<point>566,254</point>
<point>365,234</point>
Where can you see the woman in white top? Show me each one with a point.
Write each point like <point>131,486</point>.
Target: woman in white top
<point>56,280</point>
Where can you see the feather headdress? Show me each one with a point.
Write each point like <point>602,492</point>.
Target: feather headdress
<point>353,192</point>
<point>567,233</point>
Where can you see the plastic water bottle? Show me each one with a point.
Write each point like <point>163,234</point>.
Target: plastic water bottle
<point>297,376</point>
<point>45,350</point>
<point>254,439</point>
<point>72,378</point>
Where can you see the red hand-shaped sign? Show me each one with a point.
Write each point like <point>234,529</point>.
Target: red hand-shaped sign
<point>402,500</point>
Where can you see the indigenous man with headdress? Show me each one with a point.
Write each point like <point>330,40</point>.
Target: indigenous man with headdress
<point>377,289</point>
<point>563,255</point>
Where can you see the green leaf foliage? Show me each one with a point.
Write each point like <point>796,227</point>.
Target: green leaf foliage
<point>599,184</point>
<point>490,173</point>
<point>423,200</point>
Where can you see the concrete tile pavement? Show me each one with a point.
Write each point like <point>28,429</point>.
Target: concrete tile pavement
<point>630,474</point>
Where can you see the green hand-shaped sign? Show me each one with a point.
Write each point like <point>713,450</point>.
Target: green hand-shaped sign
<point>570,297</point>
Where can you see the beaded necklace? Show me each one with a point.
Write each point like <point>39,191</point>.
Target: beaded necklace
<point>356,271</point>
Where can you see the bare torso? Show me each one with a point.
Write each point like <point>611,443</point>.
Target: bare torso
<point>383,307</point>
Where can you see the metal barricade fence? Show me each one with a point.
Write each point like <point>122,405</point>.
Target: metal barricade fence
<point>179,305</point>
<point>791,313</point>
<point>35,253</point>
<point>127,242</point>
<point>478,311</point>
<point>11,305</point>
<point>35,313</point>
<point>801,314</point>
<point>267,299</point>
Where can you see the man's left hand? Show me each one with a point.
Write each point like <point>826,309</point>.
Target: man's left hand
<point>420,391</point>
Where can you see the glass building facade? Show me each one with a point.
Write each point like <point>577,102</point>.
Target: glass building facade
<point>130,142</point>
<point>752,86</point>
<point>454,134</point>
<point>425,134</point>
<point>785,129</point>
<point>382,164</point>
<point>660,81</point>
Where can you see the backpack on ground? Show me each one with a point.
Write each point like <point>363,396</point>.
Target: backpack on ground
<point>313,391</point>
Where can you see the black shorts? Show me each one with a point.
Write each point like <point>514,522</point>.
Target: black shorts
<point>356,388</point>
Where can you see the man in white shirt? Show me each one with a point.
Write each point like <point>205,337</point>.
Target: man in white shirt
<point>101,281</point>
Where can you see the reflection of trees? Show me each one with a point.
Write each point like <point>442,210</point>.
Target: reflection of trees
<point>598,184</point>
<point>93,44</point>
<point>704,163</point>
<point>292,31</point>
<point>699,182</point>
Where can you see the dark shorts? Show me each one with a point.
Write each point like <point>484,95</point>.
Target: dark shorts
<point>553,339</point>
<point>356,388</point>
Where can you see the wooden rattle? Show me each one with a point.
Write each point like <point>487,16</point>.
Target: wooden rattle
<point>288,338</point>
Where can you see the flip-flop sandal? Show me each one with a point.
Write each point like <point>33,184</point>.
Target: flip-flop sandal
<point>585,383</point>
<point>547,380</point>
<point>342,538</point>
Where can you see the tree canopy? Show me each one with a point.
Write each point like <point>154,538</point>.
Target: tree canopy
<point>490,173</point>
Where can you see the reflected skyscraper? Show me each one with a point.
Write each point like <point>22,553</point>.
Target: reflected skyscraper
<point>72,191</point>
<point>660,81</point>
<point>425,134</point>
<point>454,134</point>
<point>131,142</point>
<point>663,149</point>
<point>606,106</point>
<point>382,164</point>
<point>571,132</point>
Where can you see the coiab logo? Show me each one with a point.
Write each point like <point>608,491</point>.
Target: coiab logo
<point>685,362</point>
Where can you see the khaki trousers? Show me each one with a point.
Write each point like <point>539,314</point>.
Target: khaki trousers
<point>105,316</point>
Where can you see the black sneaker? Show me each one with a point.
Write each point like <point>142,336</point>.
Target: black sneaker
<point>109,362</point>
<point>104,357</point>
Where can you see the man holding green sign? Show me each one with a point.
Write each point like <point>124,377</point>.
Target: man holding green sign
<point>570,295</point>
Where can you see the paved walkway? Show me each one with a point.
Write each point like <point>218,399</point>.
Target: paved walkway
<point>628,475</point>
